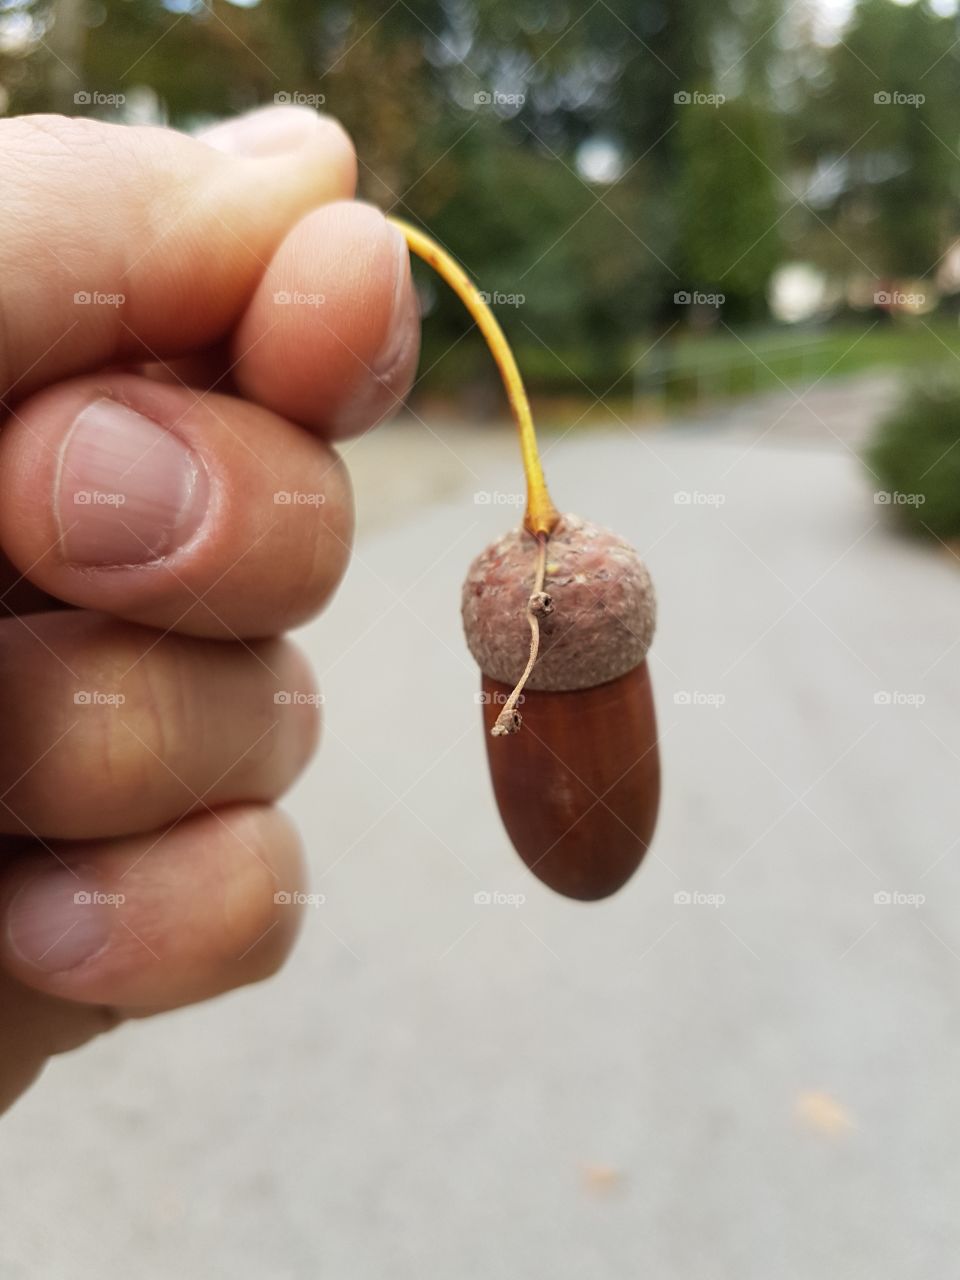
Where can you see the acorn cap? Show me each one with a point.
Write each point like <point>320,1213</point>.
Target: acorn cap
<point>597,624</point>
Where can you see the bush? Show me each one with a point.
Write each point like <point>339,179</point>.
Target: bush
<point>916,455</point>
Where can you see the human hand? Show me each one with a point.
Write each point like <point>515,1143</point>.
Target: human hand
<point>185,325</point>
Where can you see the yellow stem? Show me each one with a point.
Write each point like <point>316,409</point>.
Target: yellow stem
<point>542,515</point>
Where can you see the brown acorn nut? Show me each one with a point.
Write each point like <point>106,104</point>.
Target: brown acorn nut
<point>579,793</point>
<point>578,787</point>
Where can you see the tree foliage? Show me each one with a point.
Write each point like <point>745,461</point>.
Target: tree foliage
<point>551,145</point>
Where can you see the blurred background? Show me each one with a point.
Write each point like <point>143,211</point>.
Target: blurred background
<point>667,201</point>
<point>723,238</point>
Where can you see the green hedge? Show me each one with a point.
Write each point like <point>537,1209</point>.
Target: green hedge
<point>916,455</point>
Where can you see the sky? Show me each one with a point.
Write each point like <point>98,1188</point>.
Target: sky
<point>836,12</point>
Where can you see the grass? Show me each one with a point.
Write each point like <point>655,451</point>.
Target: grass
<point>683,368</point>
<point>725,364</point>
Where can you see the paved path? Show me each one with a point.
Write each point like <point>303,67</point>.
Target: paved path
<point>761,1088</point>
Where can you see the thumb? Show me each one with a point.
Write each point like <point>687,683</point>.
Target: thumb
<point>126,243</point>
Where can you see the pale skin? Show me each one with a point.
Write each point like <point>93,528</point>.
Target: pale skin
<point>266,314</point>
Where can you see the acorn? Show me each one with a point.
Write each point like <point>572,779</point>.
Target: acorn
<point>559,615</point>
<point>578,789</point>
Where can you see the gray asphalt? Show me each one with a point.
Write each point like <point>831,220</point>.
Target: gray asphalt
<point>758,1082</point>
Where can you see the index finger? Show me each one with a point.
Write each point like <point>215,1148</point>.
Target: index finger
<point>124,243</point>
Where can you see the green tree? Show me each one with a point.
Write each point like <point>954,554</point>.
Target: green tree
<point>729,203</point>
<point>880,143</point>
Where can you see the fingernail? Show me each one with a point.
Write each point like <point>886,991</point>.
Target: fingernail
<point>128,492</point>
<point>268,131</point>
<point>58,920</point>
<point>382,390</point>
